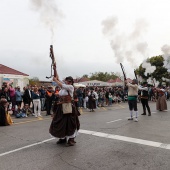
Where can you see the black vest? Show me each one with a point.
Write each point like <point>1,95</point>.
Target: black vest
<point>144,93</point>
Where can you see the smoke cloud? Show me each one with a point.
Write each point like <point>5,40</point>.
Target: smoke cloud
<point>153,81</point>
<point>49,13</point>
<point>166,55</point>
<point>148,67</point>
<point>126,46</point>
<point>165,79</point>
<point>149,80</point>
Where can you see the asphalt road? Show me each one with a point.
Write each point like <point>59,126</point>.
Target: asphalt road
<point>106,141</point>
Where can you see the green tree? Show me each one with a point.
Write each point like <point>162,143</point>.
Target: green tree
<point>102,76</point>
<point>34,81</point>
<point>85,76</point>
<point>159,72</point>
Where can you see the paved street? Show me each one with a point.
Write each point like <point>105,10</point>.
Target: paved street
<point>106,141</point>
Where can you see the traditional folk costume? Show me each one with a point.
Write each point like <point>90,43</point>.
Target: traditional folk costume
<point>5,118</point>
<point>65,125</point>
<point>92,100</point>
<point>132,98</point>
<point>144,98</point>
<point>161,103</point>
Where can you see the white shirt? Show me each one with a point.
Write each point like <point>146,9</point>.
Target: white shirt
<point>29,92</point>
<point>96,95</point>
<point>65,88</point>
<point>143,88</point>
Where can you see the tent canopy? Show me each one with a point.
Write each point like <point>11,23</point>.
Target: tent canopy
<point>77,85</point>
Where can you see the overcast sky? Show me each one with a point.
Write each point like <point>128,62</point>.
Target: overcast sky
<point>88,35</point>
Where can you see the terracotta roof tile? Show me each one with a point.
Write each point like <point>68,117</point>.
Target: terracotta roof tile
<point>7,70</point>
<point>81,79</point>
<point>114,81</point>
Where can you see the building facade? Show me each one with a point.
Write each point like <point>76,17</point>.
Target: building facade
<point>14,77</point>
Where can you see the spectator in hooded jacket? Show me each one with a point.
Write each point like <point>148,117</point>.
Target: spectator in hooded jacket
<point>18,95</point>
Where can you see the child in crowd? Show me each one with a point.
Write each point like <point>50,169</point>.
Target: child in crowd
<point>117,99</point>
<point>19,113</point>
<point>26,109</point>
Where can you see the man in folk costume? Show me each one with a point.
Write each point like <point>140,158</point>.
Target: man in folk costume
<point>161,103</point>
<point>132,98</point>
<point>65,123</point>
<point>144,98</point>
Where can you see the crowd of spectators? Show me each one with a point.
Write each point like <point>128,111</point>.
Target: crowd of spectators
<point>32,100</point>
<point>107,96</point>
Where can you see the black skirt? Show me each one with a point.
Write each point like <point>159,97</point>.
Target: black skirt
<point>64,125</point>
<point>3,118</point>
<point>92,103</point>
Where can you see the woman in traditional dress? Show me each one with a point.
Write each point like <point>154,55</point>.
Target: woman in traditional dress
<point>65,123</point>
<point>161,103</point>
<point>91,100</point>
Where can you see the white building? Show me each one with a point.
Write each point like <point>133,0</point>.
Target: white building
<point>15,77</point>
<point>96,83</point>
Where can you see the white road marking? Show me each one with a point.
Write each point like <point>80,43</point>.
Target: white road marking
<point>114,121</point>
<point>103,135</point>
<point>127,139</point>
<point>28,146</point>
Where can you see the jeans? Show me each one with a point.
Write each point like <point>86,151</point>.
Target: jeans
<point>96,103</point>
<point>42,103</point>
<point>80,101</point>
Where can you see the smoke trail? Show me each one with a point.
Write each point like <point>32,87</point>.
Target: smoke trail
<point>166,55</point>
<point>140,27</point>
<point>49,13</point>
<point>117,46</point>
<point>141,47</point>
<point>109,25</point>
<point>126,46</point>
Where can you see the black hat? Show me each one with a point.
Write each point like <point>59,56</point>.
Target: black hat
<point>69,78</point>
<point>145,82</point>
